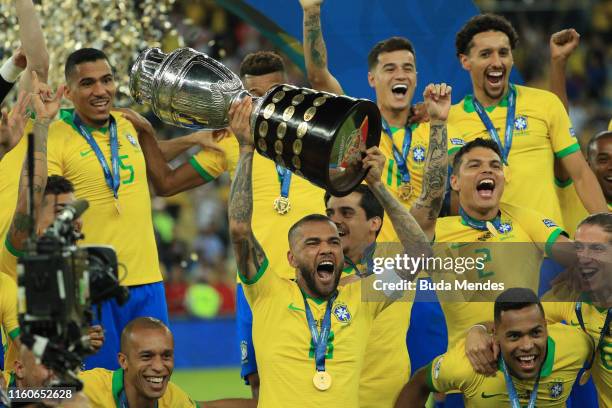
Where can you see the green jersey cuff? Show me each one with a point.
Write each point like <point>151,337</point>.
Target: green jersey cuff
<point>552,238</point>
<point>563,184</point>
<point>14,251</point>
<point>428,378</point>
<point>203,173</point>
<point>567,151</point>
<point>13,334</point>
<point>258,275</point>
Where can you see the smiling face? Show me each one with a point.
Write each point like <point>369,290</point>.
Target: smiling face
<point>594,250</point>
<point>91,88</point>
<point>316,252</point>
<point>600,160</point>
<point>479,181</point>
<point>489,62</point>
<point>394,79</point>
<point>147,362</point>
<point>522,336</point>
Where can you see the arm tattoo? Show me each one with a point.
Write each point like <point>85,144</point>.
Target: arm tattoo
<point>436,173</point>
<point>22,223</point>
<point>312,26</point>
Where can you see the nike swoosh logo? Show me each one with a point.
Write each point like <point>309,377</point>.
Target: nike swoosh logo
<point>483,395</point>
<point>291,307</point>
<point>85,153</point>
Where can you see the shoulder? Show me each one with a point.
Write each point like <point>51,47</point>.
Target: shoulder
<point>570,341</point>
<point>176,397</point>
<point>8,287</point>
<point>536,96</point>
<point>96,377</point>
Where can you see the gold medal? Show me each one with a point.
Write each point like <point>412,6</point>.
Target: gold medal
<point>584,378</point>
<point>404,191</point>
<point>507,174</point>
<point>282,205</point>
<point>117,206</point>
<point>491,228</point>
<point>322,380</point>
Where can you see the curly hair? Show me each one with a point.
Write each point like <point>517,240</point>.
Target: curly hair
<point>261,63</point>
<point>480,24</point>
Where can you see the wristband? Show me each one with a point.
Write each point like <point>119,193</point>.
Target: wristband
<point>482,326</point>
<point>9,71</point>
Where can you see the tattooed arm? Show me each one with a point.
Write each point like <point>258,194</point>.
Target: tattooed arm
<point>249,254</point>
<point>428,205</point>
<point>315,53</point>
<point>412,238</point>
<point>45,112</point>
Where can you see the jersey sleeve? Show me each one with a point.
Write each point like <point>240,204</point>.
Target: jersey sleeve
<point>8,302</point>
<point>178,397</point>
<point>8,259</point>
<point>211,164</point>
<point>55,150</point>
<point>97,387</point>
<point>560,130</point>
<point>556,306</point>
<point>452,371</point>
<point>266,283</point>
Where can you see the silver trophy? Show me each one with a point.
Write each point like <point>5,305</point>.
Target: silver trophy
<point>317,135</point>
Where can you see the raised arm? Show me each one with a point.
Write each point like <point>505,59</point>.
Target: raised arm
<point>427,207</point>
<point>166,180</point>
<point>415,393</point>
<point>315,53</point>
<point>562,45</point>
<point>32,42</point>
<point>249,254</point>
<point>204,138</point>
<point>585,182</point>
<point>12,124</point>
<point>411,236</point>
<point>45,112</point>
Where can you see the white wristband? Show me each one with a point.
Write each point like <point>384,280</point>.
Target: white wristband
<point>9,71</point>
<point>482,326</point>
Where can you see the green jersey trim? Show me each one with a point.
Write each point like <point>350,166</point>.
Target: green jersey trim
<point>567,151</point>
<point>258,275</point>
<point>552,238</point>
<point>14,251</point>
<point>203,173</point>
<point>563,184</point>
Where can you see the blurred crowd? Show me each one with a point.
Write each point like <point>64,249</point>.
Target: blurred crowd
<point>191,227</point>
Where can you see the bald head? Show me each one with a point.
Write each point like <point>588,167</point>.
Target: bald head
<point>138,324</point>
<point>294,231</point>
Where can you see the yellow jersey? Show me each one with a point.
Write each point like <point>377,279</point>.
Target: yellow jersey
<point>127,224</point>
<point>567,350</point>
<point>10,170</point>
<point>8,320</point>
<point>386,367</point>
<point>571,207</point>
<point>415,162</point>
<point>8,259</point>
<point>594,319</point>
<point>542,131</point>
<point>285,350</point>
<point>516,225</point>
<point>104,387</point>
<point>270,227</point>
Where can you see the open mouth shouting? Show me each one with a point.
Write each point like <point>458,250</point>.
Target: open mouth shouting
<point>399,91</point>
<point>527,362</point>
<point>495,79</point>
<point>485,188</point>
<point>325,271</point>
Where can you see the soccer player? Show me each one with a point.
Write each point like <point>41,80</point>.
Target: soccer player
<point>530,126</point>
<point>143,379</point>
<point>285,312</point>
<point>97,150</point>
<point>537,364</point>
<point>359,218</point>
<point>392,73</point>
<point>10,71</point>
<point>599,151</point>
<point>484,222</point>
<point>272,185</point>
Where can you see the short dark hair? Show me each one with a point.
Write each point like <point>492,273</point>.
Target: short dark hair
<point>594,140</point>
<point>304,220</point>
<point>58,185</point>
<point>389,45</point>
<point>515,299</point>
<point>368,202</point>
<point>478,142</point>
<point>603,220</point>
<point>81,56</point>
<point>482,23</point>
<point>261,63</point>
<point>140,322</point>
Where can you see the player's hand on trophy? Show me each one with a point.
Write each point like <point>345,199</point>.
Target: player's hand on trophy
<point>13,123</point>
<point>373,162</point>
<point>96,337</point>
<point>45,104</point>
<point>240,121</point>
<point>437,98</point>
<point>208,140</point>
<point>141,124</point>
<point>482,350</point>
<point>306,4</point>
<point>563,43</point>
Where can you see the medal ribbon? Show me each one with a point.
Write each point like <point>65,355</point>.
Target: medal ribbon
<point>505,149</point>
<point>284,177</point>
<point>400,157</point>
<point>480,225</point>
<point>112,179</point>
<point>512,394</point>
<point>319,340</point>
<point>604,331</point>
<point>367,259</point>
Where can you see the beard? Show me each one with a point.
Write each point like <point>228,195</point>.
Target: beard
<point>309,279</point>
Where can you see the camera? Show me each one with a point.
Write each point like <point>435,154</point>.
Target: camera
<point>59,284</point>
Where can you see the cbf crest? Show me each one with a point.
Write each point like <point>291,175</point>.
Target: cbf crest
<point>520,123</point>
<point>342,313</point>
<point>418,154</point>
<point>556,389</point>
<point>132,140</point>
